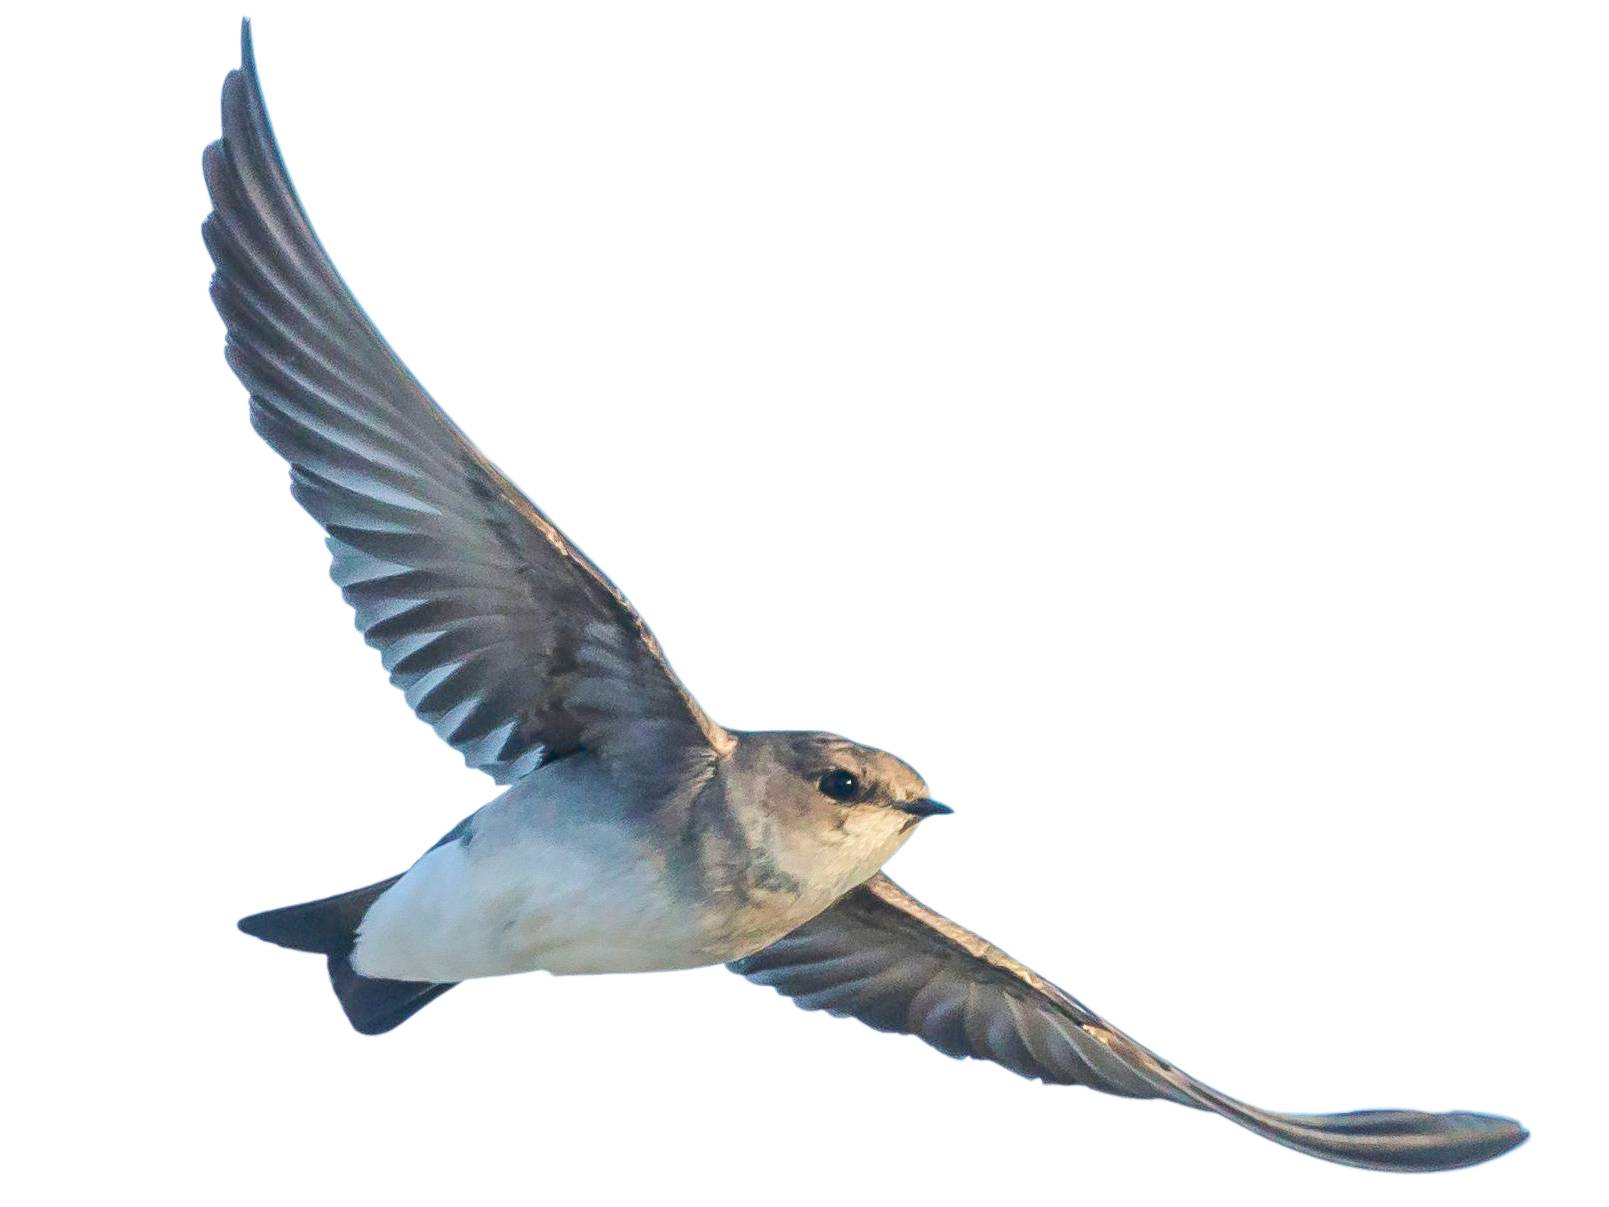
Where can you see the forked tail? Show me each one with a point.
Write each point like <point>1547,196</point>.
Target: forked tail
<point>329,928</point>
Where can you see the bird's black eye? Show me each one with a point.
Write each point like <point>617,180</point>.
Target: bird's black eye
<point>839,784</point>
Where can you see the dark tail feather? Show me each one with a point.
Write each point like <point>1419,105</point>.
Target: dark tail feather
<point>373,1006</point>
<point>329,927</point>
<point>326,926</point>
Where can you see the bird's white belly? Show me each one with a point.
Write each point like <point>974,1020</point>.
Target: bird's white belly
<point>563,874</point>
<point>577,903</point>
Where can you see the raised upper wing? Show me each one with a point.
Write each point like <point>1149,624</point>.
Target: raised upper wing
<point>502,634</point>
<point>881,956</point>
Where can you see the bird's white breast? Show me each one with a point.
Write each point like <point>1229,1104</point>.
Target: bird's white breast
<point>549,877</point>
<point>564,873</point>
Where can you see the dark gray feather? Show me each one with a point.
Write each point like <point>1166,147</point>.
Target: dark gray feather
<point>881,956</point>
<point>485,615</point>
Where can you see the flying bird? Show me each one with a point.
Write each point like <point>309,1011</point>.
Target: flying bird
<point>634,833</point>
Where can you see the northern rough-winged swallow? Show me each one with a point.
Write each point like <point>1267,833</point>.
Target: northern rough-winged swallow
<point>635,833</point>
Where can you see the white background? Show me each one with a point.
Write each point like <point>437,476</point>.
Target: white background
<point>1178,430</point>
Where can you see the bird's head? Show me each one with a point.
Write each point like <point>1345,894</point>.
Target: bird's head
<point>847,794</point>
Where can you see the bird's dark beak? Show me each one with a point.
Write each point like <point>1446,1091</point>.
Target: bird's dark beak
<point>924,808</point>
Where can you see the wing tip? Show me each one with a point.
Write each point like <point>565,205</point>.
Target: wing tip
<point>1394,1141</point>
<point>243,92</point>
<point>1489,1136</point>
<point>1464,1138</point>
